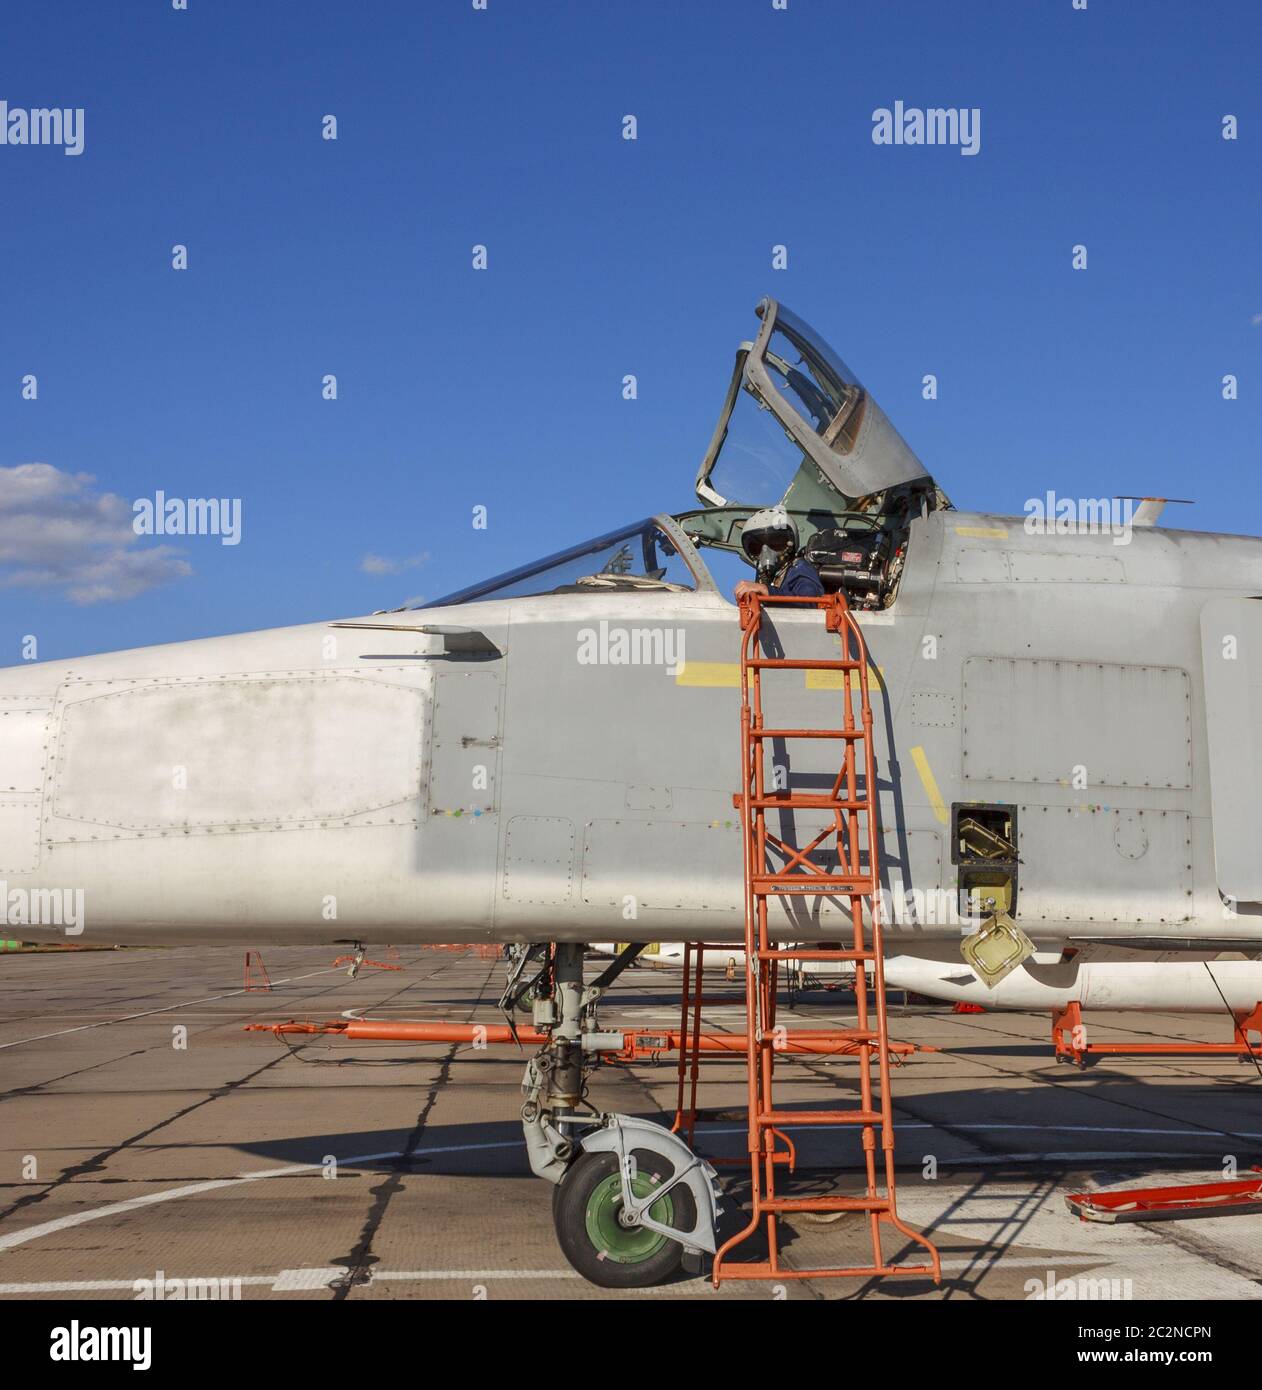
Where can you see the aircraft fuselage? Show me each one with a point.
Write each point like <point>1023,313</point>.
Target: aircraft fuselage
<point>572,778</point>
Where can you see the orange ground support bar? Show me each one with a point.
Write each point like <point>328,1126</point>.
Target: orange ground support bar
<point>363,964</point>
<point>1071,1040</point>
<point>635,1044</point>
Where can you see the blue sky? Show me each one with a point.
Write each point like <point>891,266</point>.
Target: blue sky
<point>503,387</point>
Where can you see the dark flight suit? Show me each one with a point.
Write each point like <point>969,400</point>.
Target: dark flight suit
<point>799,581</point>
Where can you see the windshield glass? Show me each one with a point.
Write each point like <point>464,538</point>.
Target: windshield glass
<point>638,558</point>
<point>814,381</point>
<point>795,379</point>
<point>758,459</point>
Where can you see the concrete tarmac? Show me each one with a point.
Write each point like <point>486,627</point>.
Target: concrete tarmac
<point>144,1136</point>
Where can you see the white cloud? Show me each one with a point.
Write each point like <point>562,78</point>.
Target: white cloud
<point>382,564</point>
<point>58,532</point>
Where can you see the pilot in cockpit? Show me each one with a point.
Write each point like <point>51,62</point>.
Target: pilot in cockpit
<point>770,540</point>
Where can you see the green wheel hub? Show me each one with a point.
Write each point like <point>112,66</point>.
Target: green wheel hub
<point>625,1244</point>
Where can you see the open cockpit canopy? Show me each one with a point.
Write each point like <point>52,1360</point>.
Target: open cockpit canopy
<point>798,427</point>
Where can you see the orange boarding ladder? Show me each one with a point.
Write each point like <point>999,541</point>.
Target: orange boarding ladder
<point>852,803</point>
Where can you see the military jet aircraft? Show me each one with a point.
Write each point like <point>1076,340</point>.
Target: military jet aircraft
<point>1067,738</point>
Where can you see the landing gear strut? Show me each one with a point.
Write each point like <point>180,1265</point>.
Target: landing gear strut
<point>630,1198</point>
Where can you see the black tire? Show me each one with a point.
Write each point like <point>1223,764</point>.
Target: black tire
<point>581,1208</point>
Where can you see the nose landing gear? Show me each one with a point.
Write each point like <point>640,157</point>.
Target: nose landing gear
<point>630,1198</point>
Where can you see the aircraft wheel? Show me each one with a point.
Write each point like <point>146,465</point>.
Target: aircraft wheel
<point>586,1209</point>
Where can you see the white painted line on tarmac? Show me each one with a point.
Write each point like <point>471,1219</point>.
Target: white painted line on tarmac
<point>289,1280</point>
<point>306,1280</point>
<point>946,1126</point>
<point>296,1280</point>
<point>107,1285</point>
<point>166,1009</point>
<point>1065,1156</point>
<point>62,1223</point>
<point>1088,1129</point>
<point>399,1275</point>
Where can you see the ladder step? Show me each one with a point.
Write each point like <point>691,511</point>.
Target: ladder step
<point>826,1204</point>
<point>806,733</point>
<point>812,883</point>
<point>803,663</point>
<point>763,1269</point>
<point>777,1118</point>
<point>815,955</point>
<point>806,801</point>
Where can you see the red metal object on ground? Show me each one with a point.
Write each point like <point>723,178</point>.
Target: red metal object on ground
<point>1076,1047</point>
<point>1239,1198</point>
<point>853,831</point>
<point>962,1007</point>
<point>256,977</point>
<point>362,964</point>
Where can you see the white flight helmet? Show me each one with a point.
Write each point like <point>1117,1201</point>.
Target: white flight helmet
<point>769,538</point>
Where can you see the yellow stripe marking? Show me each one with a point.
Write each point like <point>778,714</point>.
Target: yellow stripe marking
<point>930,784</point>
<point>987,533</point>
<point>836,680</point>
<point>711,673</point>
<point>727,675</point>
